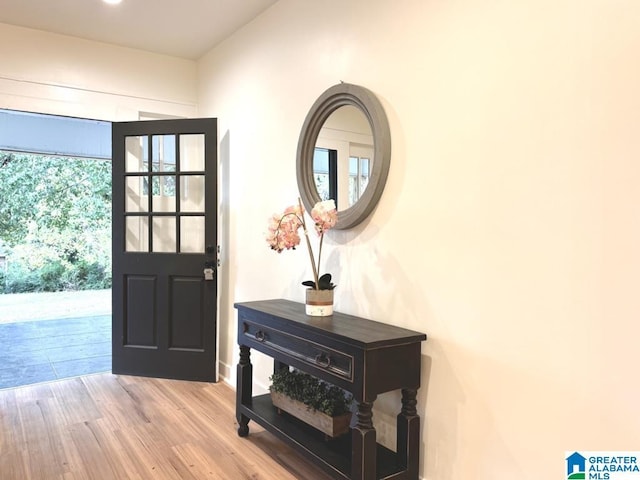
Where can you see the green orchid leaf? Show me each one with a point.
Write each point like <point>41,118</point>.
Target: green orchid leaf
<point>324,282</point>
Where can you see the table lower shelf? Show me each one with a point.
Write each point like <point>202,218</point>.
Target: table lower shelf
<point>332,455</point>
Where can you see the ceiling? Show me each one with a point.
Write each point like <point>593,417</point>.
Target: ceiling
<point>181,28</point>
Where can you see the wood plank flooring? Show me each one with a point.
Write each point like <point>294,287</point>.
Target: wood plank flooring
<point>119,427</point>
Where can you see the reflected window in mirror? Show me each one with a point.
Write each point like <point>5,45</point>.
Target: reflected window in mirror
<point>325,173</point>
<point>358,178</point>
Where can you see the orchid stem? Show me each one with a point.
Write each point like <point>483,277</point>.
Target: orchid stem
<point>320,255</point>
<point>306,236</point>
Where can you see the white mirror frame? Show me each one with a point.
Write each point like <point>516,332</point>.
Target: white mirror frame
<point>332,99</point>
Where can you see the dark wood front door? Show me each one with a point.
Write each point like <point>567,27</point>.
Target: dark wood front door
<point>164,248</point>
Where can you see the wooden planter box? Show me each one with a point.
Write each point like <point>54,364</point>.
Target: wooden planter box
<point>330,426</point>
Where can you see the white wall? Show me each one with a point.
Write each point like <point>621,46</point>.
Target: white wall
<point>510,225</point>
<point>47,73</point>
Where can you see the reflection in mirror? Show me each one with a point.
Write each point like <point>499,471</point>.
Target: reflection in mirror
<point>342,156</point>
<point>324,173</point>
<point>358,177</point>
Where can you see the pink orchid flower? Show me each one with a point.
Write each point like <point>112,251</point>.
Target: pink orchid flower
<point>283,234</point>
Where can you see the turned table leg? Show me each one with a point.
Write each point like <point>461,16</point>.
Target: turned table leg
<point>243,391</point>
<point>363,444</point>
<point>408,431</point>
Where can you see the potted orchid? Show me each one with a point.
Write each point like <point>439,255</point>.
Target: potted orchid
<point>283,235</point>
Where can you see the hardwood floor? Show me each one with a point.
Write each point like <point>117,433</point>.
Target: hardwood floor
<point>119,427</point>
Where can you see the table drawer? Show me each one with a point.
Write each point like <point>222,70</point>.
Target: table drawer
<point>320,356</point>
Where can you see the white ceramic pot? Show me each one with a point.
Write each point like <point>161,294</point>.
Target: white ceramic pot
<point>319,303</point>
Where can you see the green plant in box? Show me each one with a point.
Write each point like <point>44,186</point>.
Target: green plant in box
<point>313,392</point>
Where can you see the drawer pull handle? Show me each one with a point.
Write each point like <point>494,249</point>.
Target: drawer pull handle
<point>323,360</point>
<point>260,336</point>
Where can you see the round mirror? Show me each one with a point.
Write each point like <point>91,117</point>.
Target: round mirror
<point>344,152</point>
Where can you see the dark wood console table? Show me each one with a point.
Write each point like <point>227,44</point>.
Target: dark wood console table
<point>364,357</point>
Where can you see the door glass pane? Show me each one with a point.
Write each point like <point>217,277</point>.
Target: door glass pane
<point>136,155</point>
<point>192,234</point>
<point>135,199</point>
<point>137,234</point>
<point>164,153</point>
<point>192,153</point>
<point>192,193</point>
<point>164,193</point>
<point>164,234</point>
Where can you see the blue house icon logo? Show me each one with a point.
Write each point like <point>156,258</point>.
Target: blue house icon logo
<point>576,466</point>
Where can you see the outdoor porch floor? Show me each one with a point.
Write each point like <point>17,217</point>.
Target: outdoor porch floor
<point>41,351</point>
<point>49,348</point>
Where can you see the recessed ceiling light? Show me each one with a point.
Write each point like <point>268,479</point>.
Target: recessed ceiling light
<point>112,2</point>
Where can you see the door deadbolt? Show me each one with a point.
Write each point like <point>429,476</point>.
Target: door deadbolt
<point>208,270</point>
